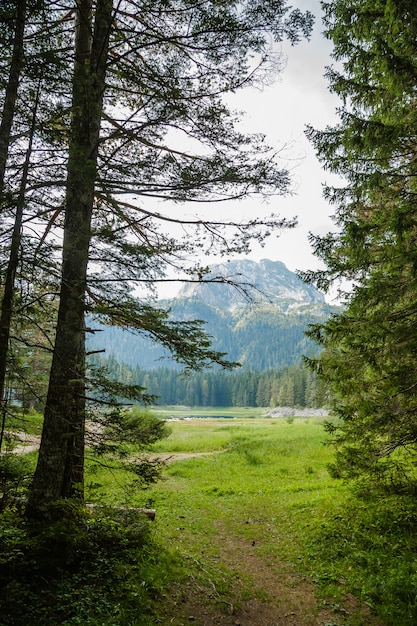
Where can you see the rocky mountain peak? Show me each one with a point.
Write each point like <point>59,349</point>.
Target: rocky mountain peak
<point>269,281</point>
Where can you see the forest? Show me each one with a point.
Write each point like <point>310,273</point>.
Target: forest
<point>259,336</point>
<point>118,149</point>
<point>293,386</point>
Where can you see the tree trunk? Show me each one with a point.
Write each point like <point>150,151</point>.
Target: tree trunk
<point>9,106</point>
<point>60,469</point>
<point>12,265</point>
<point>7,117</point>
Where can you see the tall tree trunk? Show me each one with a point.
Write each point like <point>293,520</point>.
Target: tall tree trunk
<point>9,106</point>
<point>8,112</point>
<point>60,469</point>
<point>13,263</point>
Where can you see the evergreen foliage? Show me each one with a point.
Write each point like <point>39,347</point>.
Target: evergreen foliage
<point>274,342</point>
<point>369,349</point>
<point>261,324</point>
<point>109,108</point>
<point>294,386</point>
<point>27,268</point>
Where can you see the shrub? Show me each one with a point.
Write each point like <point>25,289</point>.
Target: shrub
<point>82,568</point>
<point>15,475</point>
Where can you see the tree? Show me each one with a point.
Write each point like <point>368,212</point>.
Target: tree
<point>17,17</point>
<point>16,156</point>
<point>13,19</point>
<point>146,77</point>
<point>368,362</point>
<point>60,468</point>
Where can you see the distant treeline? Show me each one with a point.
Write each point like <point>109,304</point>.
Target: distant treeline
<point>291,386</point>
<point>261,340</point>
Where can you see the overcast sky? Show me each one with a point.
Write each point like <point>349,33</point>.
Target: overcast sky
<point>281,111</point>
<point>299,97</point>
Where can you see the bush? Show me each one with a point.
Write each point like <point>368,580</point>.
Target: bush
<point>123,431</point>
<point>84,568</point>
<point>15,475</point>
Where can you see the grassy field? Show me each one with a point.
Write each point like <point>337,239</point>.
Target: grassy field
<point>246,507</point>
<point>264,474</point>
<point>265,482</point>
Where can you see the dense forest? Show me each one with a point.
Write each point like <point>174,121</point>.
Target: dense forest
<point>295,386</point>
<point>262,329</point>
<point>267,336</point>
<point>260,339</point>
<point>368,359</point>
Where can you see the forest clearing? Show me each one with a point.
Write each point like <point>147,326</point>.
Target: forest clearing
<point>250,530</point>
<point>122,142</point>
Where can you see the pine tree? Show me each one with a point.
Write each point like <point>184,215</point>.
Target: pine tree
<point>368,363</point>
<point>145,74</point>
<point>25,257</point>
<point>13,18</point>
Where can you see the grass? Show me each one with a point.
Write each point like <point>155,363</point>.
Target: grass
<point>271,486</point>
<point>271,472</point>
<point>265,483</point>
<point>25,421</point>
<point>265,479</point>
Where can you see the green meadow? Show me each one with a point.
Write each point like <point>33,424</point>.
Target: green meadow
<point>265,480</point>
<point>239,485</point>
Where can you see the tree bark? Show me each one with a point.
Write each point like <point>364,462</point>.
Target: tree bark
<point>8,112</point>
<point>9,106</point>
<point>12,265</point>
<point>60,469</point>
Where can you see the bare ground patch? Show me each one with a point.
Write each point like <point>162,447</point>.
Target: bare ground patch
<point>27,443</point>
<point>265,592</point>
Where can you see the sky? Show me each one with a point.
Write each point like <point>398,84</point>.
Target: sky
<point>299,96</point>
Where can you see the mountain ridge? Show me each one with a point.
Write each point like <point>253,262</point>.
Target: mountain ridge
<point>265,280</point>
<point>267,332</point>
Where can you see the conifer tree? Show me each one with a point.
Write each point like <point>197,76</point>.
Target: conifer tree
<point>30,179</point>
<point>368,362</point>
<point>148,80</point>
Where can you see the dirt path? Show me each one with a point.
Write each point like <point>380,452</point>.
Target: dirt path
<point>28,443</point>
<point>266,592</point>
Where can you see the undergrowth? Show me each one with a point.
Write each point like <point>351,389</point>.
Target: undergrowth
<point>370,548</point>
<point>89,569</point>
<point>269,487</point>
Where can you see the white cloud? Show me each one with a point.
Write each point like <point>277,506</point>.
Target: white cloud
<point>281,111</point>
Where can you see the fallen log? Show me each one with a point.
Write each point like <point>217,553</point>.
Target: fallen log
<point>150,513</point>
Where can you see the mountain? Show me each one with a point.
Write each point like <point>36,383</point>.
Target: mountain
<point>272,280</point>
<point>264,332</point>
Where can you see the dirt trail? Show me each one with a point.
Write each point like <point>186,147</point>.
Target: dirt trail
<point>28,443</point>
<point>266,592</point>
